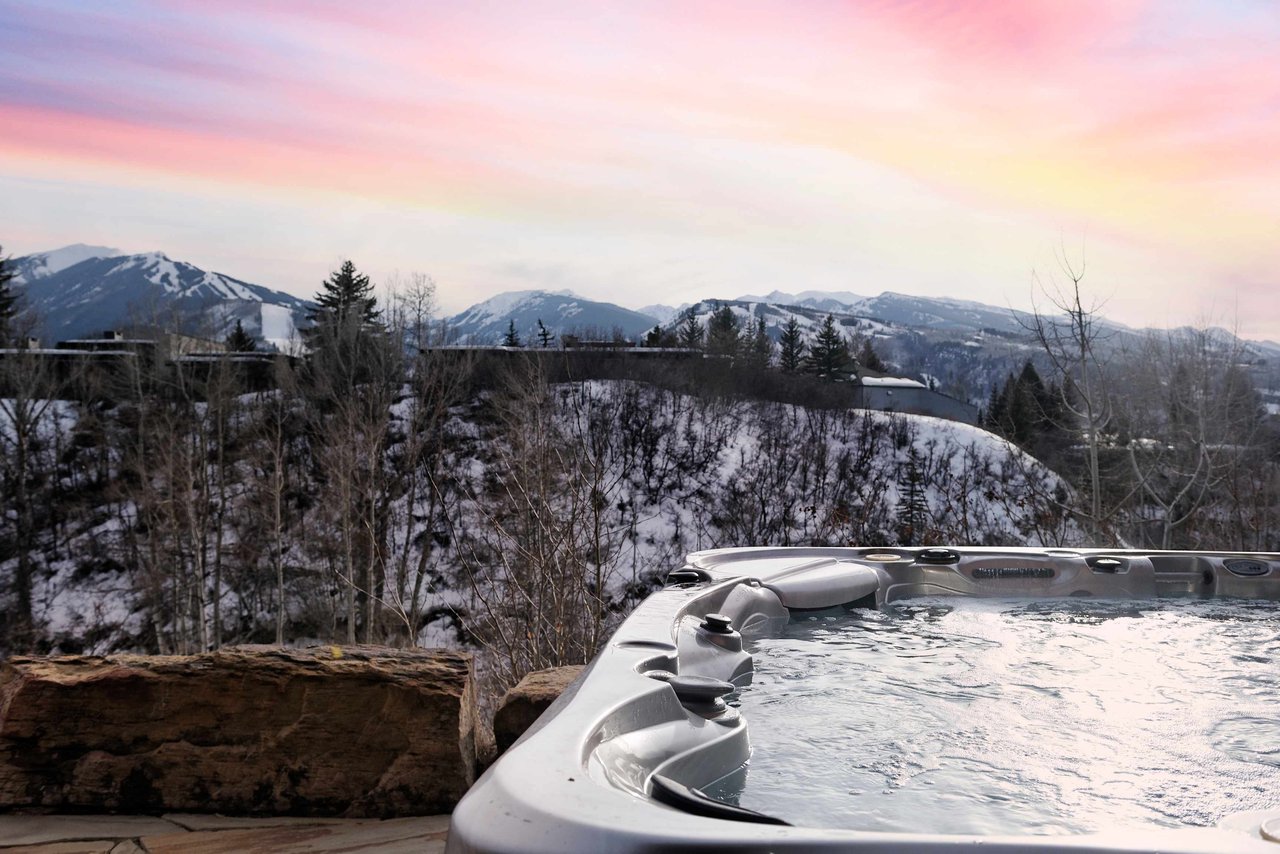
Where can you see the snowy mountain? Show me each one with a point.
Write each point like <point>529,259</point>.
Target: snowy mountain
<point>43,264</point>
<point>901,309</point>
<point>821,300</point>
<point>952,345</point>
<point>81,291</point>
<point>559,311</point>
<point>662,313</point>
<point>939,313</point>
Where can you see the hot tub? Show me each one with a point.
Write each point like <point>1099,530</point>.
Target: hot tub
<point>647,751</point>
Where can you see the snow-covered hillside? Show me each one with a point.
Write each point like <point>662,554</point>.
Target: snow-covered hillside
<point>668,474</point>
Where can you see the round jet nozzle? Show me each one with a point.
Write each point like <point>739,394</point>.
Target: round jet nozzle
<point>717,623</point>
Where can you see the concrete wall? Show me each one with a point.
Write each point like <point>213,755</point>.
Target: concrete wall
<point>916,401</point>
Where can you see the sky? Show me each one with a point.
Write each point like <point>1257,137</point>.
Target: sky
<point>664,152</point>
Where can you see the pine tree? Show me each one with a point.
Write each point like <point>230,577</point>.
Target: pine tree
<point>829,353</point>
<point>992,418</point>
<point>346,294</point>
<point>791,347</point>
<point>239,341</point>
<point>760,348</point>
<point>8,299</point>
<point>511,339</point>
<point>691,332</point>
<point>659,337</point>
<point>913,507</point>
<point>544,334</point>
<point>869,359</point>
<point>723,332</point>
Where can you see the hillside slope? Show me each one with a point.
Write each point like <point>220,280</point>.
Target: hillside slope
<point>634,475</point>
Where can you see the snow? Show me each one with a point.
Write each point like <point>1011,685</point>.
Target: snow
<point>688,482</point>
<point>278,329</point>
<point>781,297</point>
<point>228,288</point>
<point>891,382</point>
<point>58,260</point>
<point>277,322</point>
<point>508,302</point>
<point>662,313</point>
<point>161,271</point>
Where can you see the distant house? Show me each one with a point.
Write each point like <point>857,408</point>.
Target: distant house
<point>898,394</point>
<point>157,347</point>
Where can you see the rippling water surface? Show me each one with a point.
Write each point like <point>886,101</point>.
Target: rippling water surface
<point>971,716</point>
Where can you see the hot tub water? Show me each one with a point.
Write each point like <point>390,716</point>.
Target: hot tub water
<point>966,716</point>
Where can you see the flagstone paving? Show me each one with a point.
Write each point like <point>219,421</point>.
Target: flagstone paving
<point>215,834</point>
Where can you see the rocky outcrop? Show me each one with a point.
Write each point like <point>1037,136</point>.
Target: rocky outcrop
<point>522,705</point>
<point>350,731</point>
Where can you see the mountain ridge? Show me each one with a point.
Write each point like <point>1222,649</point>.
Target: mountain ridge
<point>81,290</point>
<point>561,312</point>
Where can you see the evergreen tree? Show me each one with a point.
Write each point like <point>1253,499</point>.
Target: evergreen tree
<point>239,341</point>
<point>347,293</point>
<point>869,359</point>
<point>760,348</point>
<point>913,507</point>
<point>8,299</point>
<point>723,332</point>
<point>691,332</point>
<point>659,337</point>
<point>791,347</point>
<point>995,407</point>
<point>544,335</point>
<point>829,352</point>
<point>511,339</point>
<point>1027,412</point>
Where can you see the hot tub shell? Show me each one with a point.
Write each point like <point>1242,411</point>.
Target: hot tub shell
<point>616,764</point>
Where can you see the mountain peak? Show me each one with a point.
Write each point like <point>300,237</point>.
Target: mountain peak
<point>81,290</point>
<point>41,264</point>
<point>560,311</point>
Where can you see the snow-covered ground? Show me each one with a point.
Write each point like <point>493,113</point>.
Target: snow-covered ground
<point>670,473</point>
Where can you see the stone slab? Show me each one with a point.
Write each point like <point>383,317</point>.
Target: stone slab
<point>38,829</point>
<point>424,835</point>
<point>102,846</point>
<point>198,821</point>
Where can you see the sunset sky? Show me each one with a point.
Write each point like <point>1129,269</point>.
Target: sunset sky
<point>652,152</point>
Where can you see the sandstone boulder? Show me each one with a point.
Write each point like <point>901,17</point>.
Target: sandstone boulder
<point>326,731</point>
<point>522,705</point>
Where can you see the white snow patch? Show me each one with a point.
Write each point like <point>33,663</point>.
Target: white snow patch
<point>161,271</point>
<point>226,287</point>
<point>58,260</point>
<point>891,382</point>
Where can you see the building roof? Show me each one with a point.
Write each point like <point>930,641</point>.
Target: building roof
<point>891,382</point>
